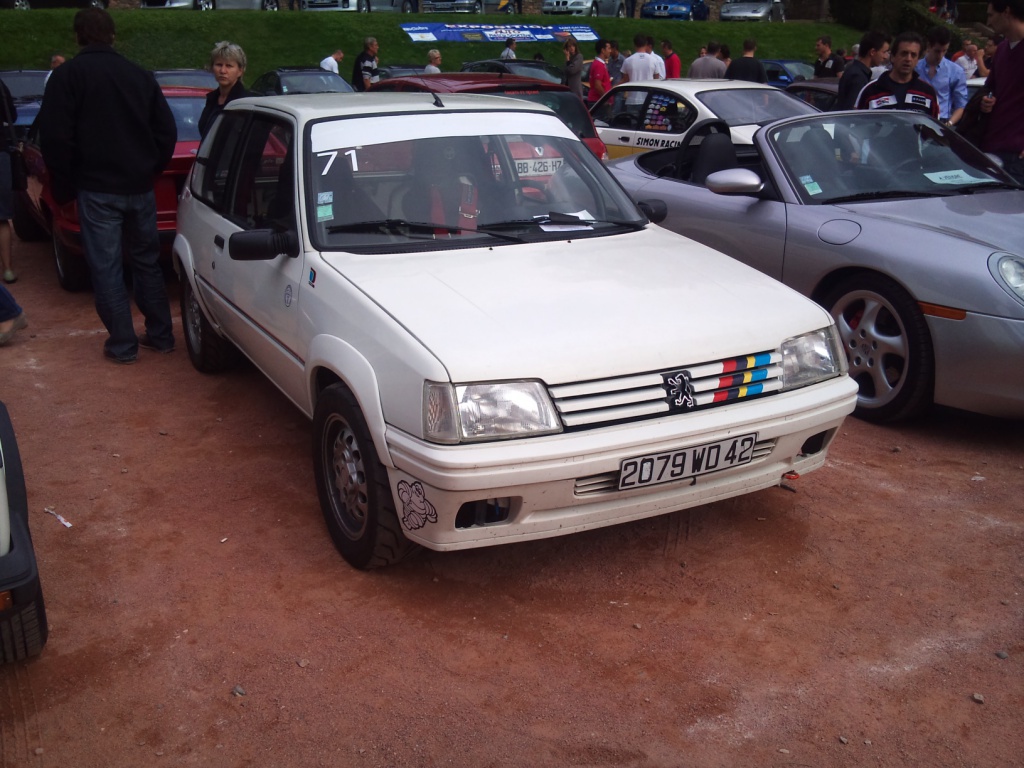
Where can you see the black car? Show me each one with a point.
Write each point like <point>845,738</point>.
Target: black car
<point>821,92</point>
<point>291,80</point>
<point>23,627</point>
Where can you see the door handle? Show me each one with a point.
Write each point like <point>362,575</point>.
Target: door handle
<point>624,139</point>
<point>218,241</point>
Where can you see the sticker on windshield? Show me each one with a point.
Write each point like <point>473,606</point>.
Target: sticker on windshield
<point>954,177</point>
<point>810,185</point>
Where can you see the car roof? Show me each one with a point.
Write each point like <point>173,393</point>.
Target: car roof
<point>316,106</point>
<point>470,82</point>
<point>830,84</point>
<point>691,87</point>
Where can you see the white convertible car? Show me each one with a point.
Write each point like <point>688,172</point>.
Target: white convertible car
<point>487,357</point>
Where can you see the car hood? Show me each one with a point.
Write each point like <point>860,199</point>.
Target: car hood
<point>991,219</point>
<point>583,309</point>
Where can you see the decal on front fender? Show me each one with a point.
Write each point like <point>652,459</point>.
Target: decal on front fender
<point>416,510</point>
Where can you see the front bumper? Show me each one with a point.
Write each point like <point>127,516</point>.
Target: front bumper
<point>550,482</point>
<point>978,364</point>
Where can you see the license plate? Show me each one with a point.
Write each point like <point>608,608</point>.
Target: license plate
<point>657,468</point>
<point>538,167</point>
<point>661,13</point>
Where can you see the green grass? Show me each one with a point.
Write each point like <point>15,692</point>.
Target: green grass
<point>182,38</point>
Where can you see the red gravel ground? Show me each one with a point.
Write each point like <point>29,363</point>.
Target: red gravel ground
<point>849,622</point>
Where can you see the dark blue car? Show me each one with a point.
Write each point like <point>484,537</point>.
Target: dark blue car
<point>679,10</point>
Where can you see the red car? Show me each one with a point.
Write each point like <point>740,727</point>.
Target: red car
<point>560,99</point>
<point>37,215</point>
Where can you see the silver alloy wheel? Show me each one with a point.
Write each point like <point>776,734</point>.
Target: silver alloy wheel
<point>478,7</point>
<point>204,5</point>
<point>22,5</point>
<point>364,6</point>
<point>875,340</point>
<point>270,5</point>
<point>408,7</point>
<point>348,489</point>
<point>621,13</point>
<point>594,10</point>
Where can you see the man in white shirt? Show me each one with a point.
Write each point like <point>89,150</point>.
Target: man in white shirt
<point>433,62</point>
<point>659,62</point>
<point>969,61</point>
<point>641,65</point>
<point>330,63</point>
<point>510,49</point>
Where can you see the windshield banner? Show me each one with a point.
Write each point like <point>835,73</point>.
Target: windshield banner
<point>495,33</point>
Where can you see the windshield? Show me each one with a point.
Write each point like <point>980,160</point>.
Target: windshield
<point>313,82</point>
<point>749,106</point>
<point>800,69</point>
<point>187,110</point>
<point>564,104</point>
<point>24,84</point>
<point>874,156</point>
<point>395,185</point>
<point>545,72</point>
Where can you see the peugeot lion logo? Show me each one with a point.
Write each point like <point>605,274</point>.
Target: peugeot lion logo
<point>681,390</point>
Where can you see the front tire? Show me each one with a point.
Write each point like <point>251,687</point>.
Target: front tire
<point>270,5</point>
<point>353,485</point>
<point>364,6</point>
<point>621,12</point>
<point>208,351</point>
<point>23,632</point>
<point>205,5</point>
<point>408,7</point>
<point>888,345</point>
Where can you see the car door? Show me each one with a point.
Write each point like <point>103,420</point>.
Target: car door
<point>616,117</point>
<point>249,178</point>
<point>750,228</point>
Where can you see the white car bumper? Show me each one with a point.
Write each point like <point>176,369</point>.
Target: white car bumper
<point>569,482</point>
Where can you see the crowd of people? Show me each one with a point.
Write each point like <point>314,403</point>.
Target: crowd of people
<point>103,149</point>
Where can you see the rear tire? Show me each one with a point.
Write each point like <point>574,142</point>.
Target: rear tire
<point>72,269</point>
<point>270,5</point>
<point>352,484</point>
<point>208,351</point>
<point>887,342</point>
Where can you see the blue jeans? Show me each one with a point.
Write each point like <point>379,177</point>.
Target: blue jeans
<point>112,226</point>
<point>9,308</point>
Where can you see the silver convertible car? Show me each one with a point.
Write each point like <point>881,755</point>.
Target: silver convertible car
<point>910,236</point>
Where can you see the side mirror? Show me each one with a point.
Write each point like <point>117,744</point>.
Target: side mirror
<point>263,245</point>
<point>655,210</point>
<point>734,181</point>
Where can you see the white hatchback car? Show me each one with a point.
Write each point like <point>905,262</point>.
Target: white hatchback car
<point>488,357</point>
<point>655,114</point>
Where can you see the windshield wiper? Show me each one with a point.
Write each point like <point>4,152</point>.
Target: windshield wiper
<point>394,225</point>
<point>970,189</point>
<point>881,195</point>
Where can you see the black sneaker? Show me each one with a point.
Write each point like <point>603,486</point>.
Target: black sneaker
<point>146,343</point>
<point>122,359</point>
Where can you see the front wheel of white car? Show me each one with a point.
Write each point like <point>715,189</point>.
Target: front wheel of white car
<point>208,351</point>
<point>353,485</point>
<point>888,345</point>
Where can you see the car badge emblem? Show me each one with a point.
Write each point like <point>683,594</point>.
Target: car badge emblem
<point>539,151</point>
<point>680,390</point>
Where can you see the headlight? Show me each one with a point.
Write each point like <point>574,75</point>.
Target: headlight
<point>1009,271</point>
<point>811,358</point>
<point>456,413</point>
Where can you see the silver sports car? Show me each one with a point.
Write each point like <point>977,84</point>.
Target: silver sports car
<point>910,236</point>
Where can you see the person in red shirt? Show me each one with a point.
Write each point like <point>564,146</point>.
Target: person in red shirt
<point>673,66</point>
<point>600,80</point>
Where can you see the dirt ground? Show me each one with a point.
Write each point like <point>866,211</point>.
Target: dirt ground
<point>847,623</point>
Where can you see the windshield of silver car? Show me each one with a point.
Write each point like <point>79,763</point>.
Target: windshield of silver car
<point>875,156</point>
<point>398,190</point>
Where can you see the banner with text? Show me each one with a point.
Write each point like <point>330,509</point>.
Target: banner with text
<point>496,33</point>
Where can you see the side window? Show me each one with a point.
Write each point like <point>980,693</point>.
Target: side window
<point>213,162</point>
<point>667,113</point>
<point>622,108</point>
<point>774,71</point>
<point>264,186</point>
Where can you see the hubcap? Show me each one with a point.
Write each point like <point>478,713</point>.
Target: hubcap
<point>876,344</point>
<point>344,465</point>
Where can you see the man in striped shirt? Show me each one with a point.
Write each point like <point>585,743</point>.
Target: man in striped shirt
<point>901,87</point>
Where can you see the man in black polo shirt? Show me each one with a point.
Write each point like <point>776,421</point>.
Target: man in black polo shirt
<point>873,51</point>
<point>827,64</point>
<point>900,87</point>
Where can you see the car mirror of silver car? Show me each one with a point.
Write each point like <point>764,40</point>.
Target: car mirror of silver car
<point>733,181</point>
<point>656,211</point>
<point>263,244</point>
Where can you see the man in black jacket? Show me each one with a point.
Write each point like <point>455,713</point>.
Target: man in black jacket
<point>873,51</point>
<point>106,132</point>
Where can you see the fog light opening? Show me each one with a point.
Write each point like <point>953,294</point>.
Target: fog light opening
<point>474,514</point>
<point>815,443</point>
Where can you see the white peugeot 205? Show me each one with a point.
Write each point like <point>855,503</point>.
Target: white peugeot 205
<point>489,358</point>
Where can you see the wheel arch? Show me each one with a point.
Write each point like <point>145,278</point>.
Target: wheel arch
<point>829,282</point>
<point>334,361</point>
